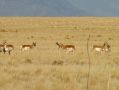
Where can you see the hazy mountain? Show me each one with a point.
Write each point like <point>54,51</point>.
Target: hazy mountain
<point>39,8</point>
<point>59,7</point>
<point>98,7</point>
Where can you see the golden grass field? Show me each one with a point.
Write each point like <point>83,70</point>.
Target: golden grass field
<point>34,69</point>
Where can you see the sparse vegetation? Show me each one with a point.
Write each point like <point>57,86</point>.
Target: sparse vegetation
<point>45,67</point>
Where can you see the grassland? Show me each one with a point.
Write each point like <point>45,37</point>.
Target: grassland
<point>34,69</point>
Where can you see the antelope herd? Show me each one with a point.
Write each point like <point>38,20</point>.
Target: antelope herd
<point>68,48</point>
<point>9,47</point>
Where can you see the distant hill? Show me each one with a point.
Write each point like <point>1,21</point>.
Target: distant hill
<point>59,7</point>
<point>39,8</point>
<point>98,7</point>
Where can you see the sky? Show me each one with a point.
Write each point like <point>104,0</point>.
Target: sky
<point>59,7</point>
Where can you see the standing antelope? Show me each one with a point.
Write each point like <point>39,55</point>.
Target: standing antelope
<point>99,48</point>
<point>27,47</point>
<point>8,48</point>
<point>68,48</point>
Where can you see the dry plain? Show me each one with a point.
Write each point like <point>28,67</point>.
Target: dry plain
<point>35,69</point>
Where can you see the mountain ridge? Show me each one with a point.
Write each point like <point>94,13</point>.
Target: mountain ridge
<point>39,8</point>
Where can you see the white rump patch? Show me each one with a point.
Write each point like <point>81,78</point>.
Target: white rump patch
<point>70,49</point>
<point>98,49</point>
<point>25,48</point>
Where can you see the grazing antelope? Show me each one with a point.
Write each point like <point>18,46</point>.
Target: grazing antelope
<point>8,48</point>
<point>27,47</point>
<point>68,48</point>
<point>99,48</point>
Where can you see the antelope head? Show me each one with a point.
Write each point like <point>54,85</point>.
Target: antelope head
<point>34,44</point>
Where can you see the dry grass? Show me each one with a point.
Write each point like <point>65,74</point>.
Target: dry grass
<point>47,68</point>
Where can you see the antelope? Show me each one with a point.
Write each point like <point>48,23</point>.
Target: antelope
<point>27,47</point>
<point>68,48</point>
<point>8,48</point>
<point>99,48</point>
